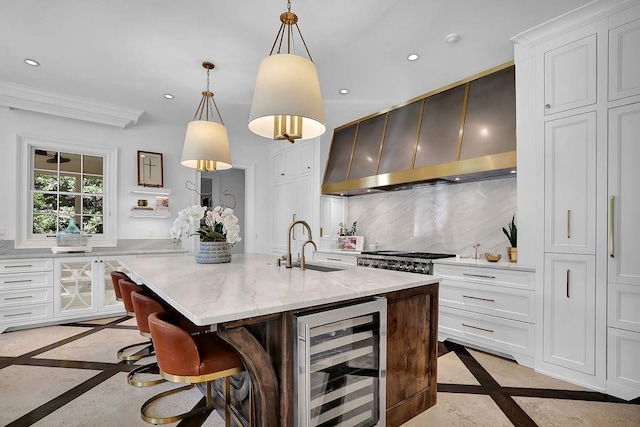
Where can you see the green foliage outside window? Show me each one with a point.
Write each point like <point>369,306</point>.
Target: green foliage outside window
<point>57,196</point>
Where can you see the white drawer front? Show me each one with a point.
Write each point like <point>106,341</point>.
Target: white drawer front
<point>623,349</point>
<point>516,304</point>
<point>26,280</point>
<point>28,314</point>
<point>486,276</point>
<point>26,297</point>
<point>20,265</point>
<point>624,306</point>
<point>508,336</point>
<point>342,259</point>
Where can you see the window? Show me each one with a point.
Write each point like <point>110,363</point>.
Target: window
<point>61,181</point>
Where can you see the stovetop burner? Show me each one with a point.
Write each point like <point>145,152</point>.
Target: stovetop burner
<point>404,254</point>
<point>413,262</point>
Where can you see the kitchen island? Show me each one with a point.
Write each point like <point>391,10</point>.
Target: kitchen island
<point>250,303</point>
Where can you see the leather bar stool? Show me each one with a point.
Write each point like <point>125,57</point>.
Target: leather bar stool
<point>191,359</point>
<point>132,352</point>
<point>145,304</point>
<point>115,277</point>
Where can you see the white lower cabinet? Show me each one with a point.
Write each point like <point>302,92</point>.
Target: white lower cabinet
<point>569,311</point>
<point>83,286</point>
<point>489,308</point>
<point>336,257</point>
<point>26,291</point>
<point>623,366</point>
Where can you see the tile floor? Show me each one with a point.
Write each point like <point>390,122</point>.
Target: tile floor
<point>69,375</point>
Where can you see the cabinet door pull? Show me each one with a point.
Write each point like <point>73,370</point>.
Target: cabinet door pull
<point>547,106</point>
<point>612,205</point>
<point>482,276</point>
<point>18,266</point>
<point>17,314</point>
<point>476,327</point>
<point>13,298</point>
<point>19,281</point>
<point>568,276</point>
<point>568,224</point>
<point>481,299</point>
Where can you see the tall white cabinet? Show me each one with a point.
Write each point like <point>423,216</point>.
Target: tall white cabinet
<point>580,116</point>
<point>294,194</point>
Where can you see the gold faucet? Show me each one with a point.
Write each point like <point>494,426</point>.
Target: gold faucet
<point>309,240</point>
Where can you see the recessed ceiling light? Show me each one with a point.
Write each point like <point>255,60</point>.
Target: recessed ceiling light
<point>344,91</point>
<point>31,62</point>
<point>413,57</point>
<point>168,96</point>
<point>513,171</point>
<point>452,38</point>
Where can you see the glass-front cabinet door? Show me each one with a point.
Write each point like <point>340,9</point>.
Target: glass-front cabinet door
<point>74,285</point>
<point>108,300</point>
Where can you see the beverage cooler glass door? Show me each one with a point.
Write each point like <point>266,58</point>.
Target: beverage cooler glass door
<point>341,364</point>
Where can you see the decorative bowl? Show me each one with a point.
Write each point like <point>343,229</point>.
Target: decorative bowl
<point>492,257</point>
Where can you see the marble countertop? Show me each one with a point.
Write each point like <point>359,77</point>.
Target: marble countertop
<point>10,253</point>
<point>337,252</point>
<point>503,265</point>
<point>253,285</point>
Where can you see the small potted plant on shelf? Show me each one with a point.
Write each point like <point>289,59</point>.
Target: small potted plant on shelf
<point>512,235</point>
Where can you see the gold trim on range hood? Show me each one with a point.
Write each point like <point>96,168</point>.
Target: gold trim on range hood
<point>486,167</point>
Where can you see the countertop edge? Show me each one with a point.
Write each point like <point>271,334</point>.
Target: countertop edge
<point>481,263</point>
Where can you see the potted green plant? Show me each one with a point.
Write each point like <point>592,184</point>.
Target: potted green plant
<point>512,235</point>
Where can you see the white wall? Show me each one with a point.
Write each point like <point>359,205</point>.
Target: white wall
<point>146,135</point>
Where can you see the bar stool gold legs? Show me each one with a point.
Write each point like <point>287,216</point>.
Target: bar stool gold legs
<point>129,353</point>
<point>151,368</point>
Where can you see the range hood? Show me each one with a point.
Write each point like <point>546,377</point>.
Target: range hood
<point>464,131</point>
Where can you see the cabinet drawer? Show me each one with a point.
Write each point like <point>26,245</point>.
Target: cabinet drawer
<point>486,276</point>
<point>340,258</point>
<point>20,265</point>
<point>25,297</point>
<point>624,306</point>
<point>28,314</point>
<point>516,304</point>
<point>26,280</point>
<point>508,336</point>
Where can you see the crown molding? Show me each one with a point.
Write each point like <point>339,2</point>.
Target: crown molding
<point>590,12</point>
<point>15,96</point>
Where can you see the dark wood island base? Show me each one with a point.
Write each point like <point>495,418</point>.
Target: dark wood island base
<point>266,346</point>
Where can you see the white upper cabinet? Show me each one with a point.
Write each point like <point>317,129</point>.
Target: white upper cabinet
<point>624,60</point>
<point>284,163</point>
<point>569,311</point>
<point>570,76</point>
<point>624,195</point>
<point>570,184</point>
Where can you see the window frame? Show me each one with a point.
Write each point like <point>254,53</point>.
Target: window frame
<point>24,215</point>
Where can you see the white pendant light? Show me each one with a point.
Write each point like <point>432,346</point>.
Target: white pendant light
<point>206,144</point>
<point>287,103</point>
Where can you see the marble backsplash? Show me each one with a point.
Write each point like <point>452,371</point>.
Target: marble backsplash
<point>447,218</point>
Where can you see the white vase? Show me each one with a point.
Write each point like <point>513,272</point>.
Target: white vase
<point>213,253</point>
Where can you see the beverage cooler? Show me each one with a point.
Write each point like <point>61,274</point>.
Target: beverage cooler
<point>340,365</point>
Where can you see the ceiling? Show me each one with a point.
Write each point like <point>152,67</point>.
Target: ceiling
<point>131,52</point>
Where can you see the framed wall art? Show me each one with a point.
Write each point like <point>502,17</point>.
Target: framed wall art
<point>150,172</point>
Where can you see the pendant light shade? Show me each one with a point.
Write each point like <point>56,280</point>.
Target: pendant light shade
<point>287,85</point>
<point>206,144</point>
<point>287,103</point>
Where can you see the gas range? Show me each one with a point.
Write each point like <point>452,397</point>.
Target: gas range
<point>413,262</point>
